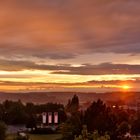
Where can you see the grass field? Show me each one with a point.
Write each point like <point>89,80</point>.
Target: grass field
<point>39,137</point>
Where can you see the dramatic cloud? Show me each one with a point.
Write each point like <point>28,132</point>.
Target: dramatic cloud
<point>93,82</point>
<point>85,69</point>
<point>91,86</point>
<point>69,40</point>
<point>102,69</point>
<point>61,29</point>
<point>114,82</point>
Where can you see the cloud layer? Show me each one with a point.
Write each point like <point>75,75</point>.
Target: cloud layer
<point>69,38</point>
<point>84,69</point>
<point>65,29</point>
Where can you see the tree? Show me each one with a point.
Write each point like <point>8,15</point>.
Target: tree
<point>99,117</point>
<point>14,112</point>
<point>135,127</point>
<point>73,105</point>
<point>72,127</point>
<point>31,121</point>
<point>88,136</point>
<point>67,131</point>
<point>30,108</point>
<point>2,131</point>
<point>123,128</point>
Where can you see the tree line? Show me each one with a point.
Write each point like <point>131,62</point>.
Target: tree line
<point>97,122</point>
<point>15,112</point>
<point>100,122</point>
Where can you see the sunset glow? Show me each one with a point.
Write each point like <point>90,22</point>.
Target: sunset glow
<point>74,45</point>
<point>126,87</point>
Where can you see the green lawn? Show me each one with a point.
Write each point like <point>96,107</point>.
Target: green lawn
<point>39,137</point>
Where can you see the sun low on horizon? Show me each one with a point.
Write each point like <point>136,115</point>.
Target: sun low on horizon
<point>126,87</point>
<point>72,45</point>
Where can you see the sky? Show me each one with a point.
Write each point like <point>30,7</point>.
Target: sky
<point>69,45</point>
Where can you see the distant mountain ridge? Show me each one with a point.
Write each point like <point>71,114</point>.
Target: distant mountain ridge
<point>62,97</point>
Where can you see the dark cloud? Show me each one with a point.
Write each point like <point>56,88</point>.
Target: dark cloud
<point>55,55</point>
<point>64,29</point>
<point>88,83</point>
<point>85,69</point>
<point>115,82</point>
<point>102,69</point>
<point>9,65</point>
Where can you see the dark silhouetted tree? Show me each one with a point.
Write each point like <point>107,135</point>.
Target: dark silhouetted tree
<point>123,128</point>
<point>101,118</point>
<point>73,105</point>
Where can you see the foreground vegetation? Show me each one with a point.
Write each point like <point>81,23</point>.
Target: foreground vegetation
<point>97,122</point>
<point>110,123</point>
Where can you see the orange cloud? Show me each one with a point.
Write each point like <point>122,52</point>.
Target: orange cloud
<point>57,37</point>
